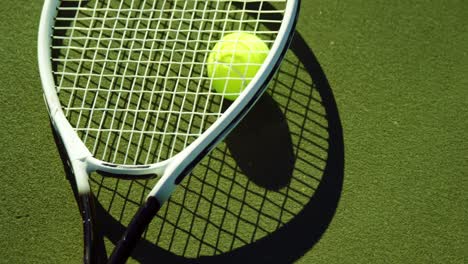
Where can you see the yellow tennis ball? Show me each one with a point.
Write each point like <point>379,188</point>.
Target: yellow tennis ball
<point>234,61</point>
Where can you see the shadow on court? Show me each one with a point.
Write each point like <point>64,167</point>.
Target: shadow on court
<point>266,195</point>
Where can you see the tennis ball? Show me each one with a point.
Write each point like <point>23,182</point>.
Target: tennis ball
<point>234,61</point>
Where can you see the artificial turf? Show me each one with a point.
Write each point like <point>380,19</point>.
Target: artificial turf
<point>398,74</point>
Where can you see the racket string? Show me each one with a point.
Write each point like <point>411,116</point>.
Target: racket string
<point>132,88</point>
<point>132,74</point>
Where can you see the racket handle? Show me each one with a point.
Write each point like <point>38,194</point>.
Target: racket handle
<point>134,231</point>
<point>94,249</point>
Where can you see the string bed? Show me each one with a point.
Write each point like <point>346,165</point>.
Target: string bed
<point>131,75</point>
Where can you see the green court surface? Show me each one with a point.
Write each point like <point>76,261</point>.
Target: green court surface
<point>276,190</point>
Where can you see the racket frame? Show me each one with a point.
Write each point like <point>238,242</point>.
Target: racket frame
<point>174,169</point>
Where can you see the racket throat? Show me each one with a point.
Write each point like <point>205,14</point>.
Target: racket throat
<point>80,172</point>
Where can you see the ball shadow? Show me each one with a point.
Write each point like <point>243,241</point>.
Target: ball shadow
<point>262,147</point>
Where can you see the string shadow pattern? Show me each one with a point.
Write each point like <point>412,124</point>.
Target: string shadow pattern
<point>265,195</point>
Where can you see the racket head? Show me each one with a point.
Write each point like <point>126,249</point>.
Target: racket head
<point>80,136</point>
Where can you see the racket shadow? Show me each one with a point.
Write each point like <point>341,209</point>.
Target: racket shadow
<point>265,195</point>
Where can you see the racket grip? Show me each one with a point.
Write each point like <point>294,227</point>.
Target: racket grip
<point>94,249</point>
<point>134,231</point>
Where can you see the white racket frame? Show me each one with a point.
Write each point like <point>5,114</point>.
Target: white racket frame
<point>82,160</point>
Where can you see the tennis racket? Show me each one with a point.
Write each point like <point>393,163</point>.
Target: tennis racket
<point>128,94</point>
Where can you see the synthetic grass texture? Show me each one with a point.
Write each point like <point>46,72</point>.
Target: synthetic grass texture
<point>397,73</point>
